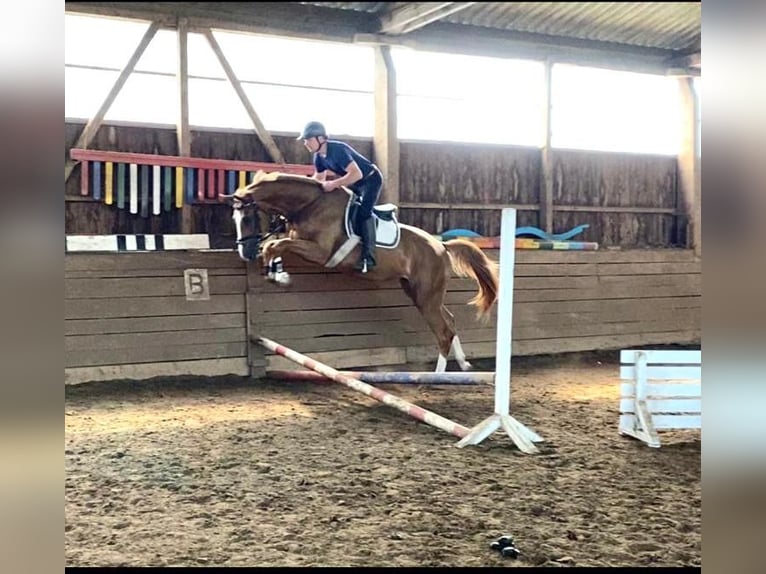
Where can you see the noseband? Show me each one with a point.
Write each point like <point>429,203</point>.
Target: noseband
<point>276,224</point>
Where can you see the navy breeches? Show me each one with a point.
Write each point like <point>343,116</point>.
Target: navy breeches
<point>369,190</point>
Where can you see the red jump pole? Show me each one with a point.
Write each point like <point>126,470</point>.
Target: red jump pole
<point>412,410</point>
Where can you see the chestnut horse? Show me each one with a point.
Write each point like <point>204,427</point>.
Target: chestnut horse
<point>317,232</point>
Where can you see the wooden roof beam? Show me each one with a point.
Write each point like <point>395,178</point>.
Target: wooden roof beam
<point>260,129</point>
<point>90,129</point>
<point>686,61</point>
<point>414,15</point>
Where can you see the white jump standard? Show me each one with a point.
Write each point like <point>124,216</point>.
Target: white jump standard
<point>522,437</point>
<point>661,390</point>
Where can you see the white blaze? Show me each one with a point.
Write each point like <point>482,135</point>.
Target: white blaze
<point>237,217</point>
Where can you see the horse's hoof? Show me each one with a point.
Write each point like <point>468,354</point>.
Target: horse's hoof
<point>466,366</point>
<point>282,278</point>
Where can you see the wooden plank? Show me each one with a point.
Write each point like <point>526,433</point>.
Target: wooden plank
<point>345,314</point>
<point>668,315</point>
<point>675,268</point>
<point>104,288</point>
<point>363,343</point>
<point>556,269</point>
<point>688,287</point>
<point>164,353</point>
<point>347,359</point>
<point>609,305</point>
<point>669,406</point>
<point>120,341</point>
<point>626,328</point>
<point>327,284</point>
<point>675,389</point>
<point>649,281</point>
<point>545,312</point>
<point>663,357</point>
<point>140,371</point>
<point>152,260</point>
<point>288,332</point>
<point>420,354</point>
<point>151,307</point>
<point>529,289</point>
<point>465,318</point>
<point>614,209</point>
<point>349,300</point>
<point>448,206</point>
<point>525,256</point>
<point>588,343</point>
<point>153,324</point>
<point>666,422</point>
<point>130,273</point>
<point>664,372</point>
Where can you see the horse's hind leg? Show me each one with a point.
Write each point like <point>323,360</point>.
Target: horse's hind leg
<point>444,331</point>
<point>456,347</point>
<point>441,322</point>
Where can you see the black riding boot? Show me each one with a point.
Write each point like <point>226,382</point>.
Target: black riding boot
<point>367,233</point>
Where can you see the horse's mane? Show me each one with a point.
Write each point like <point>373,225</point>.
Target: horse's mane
<point>275,176</point>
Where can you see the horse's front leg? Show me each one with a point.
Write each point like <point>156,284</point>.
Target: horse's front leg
<point>307,250</point>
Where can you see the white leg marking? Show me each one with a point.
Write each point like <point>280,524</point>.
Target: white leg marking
<point>237,217</point>
<point>457,348</point>
<point>441,364</point>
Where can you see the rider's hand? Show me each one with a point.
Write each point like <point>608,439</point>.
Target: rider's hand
<point>329,185</point>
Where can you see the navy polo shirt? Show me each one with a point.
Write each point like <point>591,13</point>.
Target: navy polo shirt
<point>339,155</point>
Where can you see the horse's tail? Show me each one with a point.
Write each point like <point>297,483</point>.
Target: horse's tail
<point>470,261</point>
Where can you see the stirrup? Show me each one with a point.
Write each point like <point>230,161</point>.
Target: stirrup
<point>365,264</point>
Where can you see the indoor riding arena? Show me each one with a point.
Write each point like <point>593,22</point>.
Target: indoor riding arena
<point>227,412</point>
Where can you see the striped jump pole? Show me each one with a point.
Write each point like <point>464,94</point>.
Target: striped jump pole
<point>386,398</point>
<point>393,377</point>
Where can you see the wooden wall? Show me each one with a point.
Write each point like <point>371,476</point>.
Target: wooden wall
<point>628,200</point>
<point>127,316</point>
<point>563,302</point>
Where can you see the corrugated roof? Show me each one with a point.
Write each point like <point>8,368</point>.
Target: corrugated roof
<point>664,25</point>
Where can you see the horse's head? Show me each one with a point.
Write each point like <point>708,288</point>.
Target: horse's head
<point>272,193</point>
<point>247,225</point>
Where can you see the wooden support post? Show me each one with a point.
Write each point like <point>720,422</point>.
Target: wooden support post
<point>182,129</point>
<point>386,141</point>
<point>689,166</point>
<point>254,306</point>
<point>546,162</point>
<point>91,128</point>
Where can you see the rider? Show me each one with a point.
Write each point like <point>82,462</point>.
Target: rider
<point>356,172</point>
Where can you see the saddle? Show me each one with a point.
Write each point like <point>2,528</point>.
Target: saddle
<point>386,225</point>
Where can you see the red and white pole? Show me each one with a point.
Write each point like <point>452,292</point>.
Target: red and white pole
<point>412,410</point>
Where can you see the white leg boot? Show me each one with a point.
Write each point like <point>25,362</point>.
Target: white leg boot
<point>457,348</point>
<point>441,364</point>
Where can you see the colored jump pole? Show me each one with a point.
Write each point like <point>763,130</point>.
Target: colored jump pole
<point>412,410</point>
<point>393,377</point>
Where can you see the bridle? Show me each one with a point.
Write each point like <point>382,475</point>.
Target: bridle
<point>277,224</point>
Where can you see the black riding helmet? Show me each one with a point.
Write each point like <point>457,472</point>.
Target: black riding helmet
<point>312,129</point>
